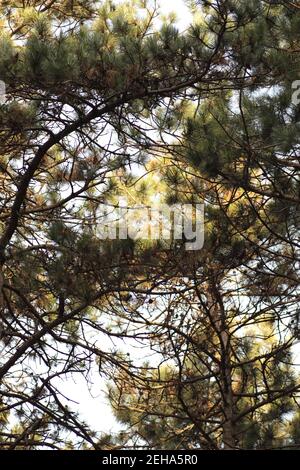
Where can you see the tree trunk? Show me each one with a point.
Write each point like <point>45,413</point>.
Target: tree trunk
<point>1,288</point>
<point>218,320</point>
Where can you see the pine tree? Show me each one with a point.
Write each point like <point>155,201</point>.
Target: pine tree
<point>159,412</point>
<point>93,91</point>
<point>230,382</point>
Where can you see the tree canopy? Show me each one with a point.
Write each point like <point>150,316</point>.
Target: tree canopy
<point>109,99</point>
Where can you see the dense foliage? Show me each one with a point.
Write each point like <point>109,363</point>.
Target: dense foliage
<point>107,99</point>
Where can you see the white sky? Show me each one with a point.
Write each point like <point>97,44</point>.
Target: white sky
<point>179,7</point>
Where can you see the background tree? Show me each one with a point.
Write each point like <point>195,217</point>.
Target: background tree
<point>223,347</point>
<point>251,251</point>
